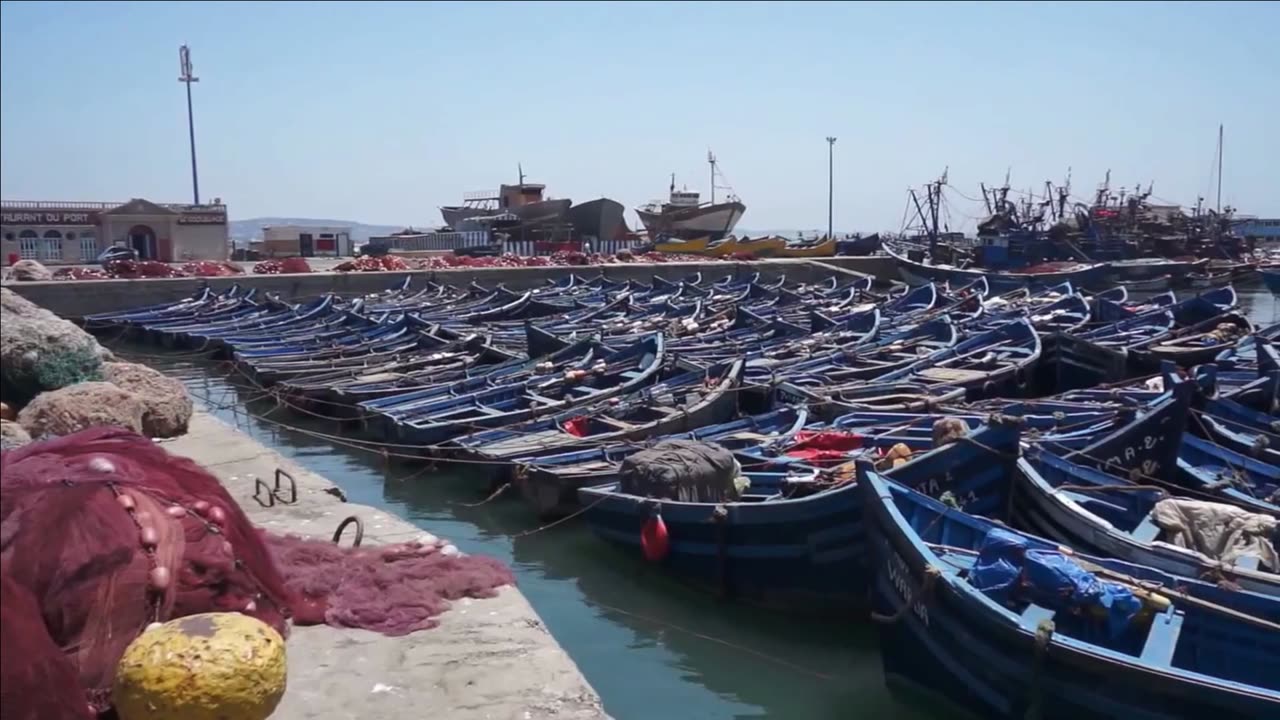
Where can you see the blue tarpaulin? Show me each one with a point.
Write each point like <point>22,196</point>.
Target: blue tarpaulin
<point>1007,571</point>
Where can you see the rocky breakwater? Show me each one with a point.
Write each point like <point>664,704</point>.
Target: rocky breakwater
<point>57,380</point>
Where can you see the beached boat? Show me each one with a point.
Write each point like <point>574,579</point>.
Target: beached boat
<point>824,247</point>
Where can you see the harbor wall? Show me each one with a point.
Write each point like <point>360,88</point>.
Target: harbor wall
<point>75,299</point>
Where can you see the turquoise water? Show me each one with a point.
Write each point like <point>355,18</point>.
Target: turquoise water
<point>650,647</point>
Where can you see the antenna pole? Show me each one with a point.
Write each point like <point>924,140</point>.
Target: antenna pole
<point>184,60</point>
<point>831,184</point>
<point>711,160</point>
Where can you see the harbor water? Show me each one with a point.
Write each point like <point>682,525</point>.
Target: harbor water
<point>651,647</point>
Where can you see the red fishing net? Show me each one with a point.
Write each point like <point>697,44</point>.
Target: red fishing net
<point>104,532</point>
<point>824,448</point>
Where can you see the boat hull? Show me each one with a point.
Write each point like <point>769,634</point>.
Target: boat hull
<point>713,221</point>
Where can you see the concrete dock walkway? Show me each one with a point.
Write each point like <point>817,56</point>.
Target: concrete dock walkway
<point>490,659</point>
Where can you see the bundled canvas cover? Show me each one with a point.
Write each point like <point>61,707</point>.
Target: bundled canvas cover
<point>1010,573</point>
<point>1223,532</point>
<point>684,470</point>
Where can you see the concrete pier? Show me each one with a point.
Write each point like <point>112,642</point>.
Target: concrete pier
<point>489,659</point>
<point>74,299</point>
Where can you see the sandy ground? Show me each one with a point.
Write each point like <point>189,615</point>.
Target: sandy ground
<point>489,659</point>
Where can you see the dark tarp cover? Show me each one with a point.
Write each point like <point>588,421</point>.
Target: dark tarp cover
<point>684,470</point>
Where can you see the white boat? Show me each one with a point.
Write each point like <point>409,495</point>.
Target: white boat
<point>685,216</point>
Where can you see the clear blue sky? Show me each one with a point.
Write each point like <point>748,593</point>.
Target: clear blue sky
<point>382,112</point>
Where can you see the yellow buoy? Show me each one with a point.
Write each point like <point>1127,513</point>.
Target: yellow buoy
<point>213,666</point>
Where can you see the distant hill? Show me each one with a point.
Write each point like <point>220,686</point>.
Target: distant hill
<point>242,231</point>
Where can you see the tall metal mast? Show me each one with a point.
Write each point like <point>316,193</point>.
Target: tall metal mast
<point>184,61</point>
<point>1219,169</point>
<point>831,184</point>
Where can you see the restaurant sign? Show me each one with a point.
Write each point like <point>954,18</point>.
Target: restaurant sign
<point>48,217</point>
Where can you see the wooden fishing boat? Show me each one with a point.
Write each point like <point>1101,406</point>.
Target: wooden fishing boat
<point>997,362</point>
<point>1152,284</point>
<point>999,623</point>
<point>1245,356</point>
<point>1199,281</point>
<point>795,540</point>
<point>550,483</point>
<point>723,248</point>
<point>1199,343</point>
<point>1212,469</point>
<point>692,246</point>
<point>762,247</point>
<point>684,399</point>
<point>616,373</point>
<point>1271,278</point>
<point>826,247</point>
<point>919,273</point>
<point>1100,513</point>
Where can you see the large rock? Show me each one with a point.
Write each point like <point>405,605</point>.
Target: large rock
<point>82,406</point>
<point>30,270</point>
<point>12,435</point>
<point>40,351</point>
<point>168,406</point>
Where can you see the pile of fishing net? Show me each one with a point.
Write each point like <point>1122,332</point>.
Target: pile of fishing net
<point>369,263</point>
<point>141,269</point>
<point>76,273</point>
<point>207,268</point>
<point>285,265</point>
<point>103,532</point>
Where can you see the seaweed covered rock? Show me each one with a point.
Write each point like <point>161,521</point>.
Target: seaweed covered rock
<point>12,435</point>
<point>168,406</point>
<point>30,270</point>
<point>40,351</point>
<point>82,406</point>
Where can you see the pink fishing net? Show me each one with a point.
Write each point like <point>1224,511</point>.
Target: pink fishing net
<point>103,532</point>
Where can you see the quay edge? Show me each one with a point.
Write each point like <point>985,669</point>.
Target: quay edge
<point>490,659</point>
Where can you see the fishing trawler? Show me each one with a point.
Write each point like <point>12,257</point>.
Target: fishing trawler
<point>685,216</point>
<point>524,200</point>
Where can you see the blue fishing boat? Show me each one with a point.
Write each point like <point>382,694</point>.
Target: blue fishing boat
<point>683,399</point>
<point>917,273</point>
<point>1271,278</point>
<point>620,372</point>
<point>1212,469</point>
<point>796,538</point>
<point>1096,512</point>
<point>550,483</point>
<point>1006,625</point>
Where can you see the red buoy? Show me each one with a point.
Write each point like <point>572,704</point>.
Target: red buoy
<point>654,540</point>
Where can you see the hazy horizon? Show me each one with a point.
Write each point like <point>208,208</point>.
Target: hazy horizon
<point>382,112</point>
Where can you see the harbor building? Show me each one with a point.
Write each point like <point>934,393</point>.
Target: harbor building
<point>306,241</point>
<point>70,233</point>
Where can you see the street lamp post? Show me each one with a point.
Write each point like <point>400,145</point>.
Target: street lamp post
<point>831,153</point>
<point>184,59</point>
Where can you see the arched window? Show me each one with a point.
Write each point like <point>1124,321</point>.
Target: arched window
<point>88,246</point>
<point>29,245</point>
<point>51,247</point>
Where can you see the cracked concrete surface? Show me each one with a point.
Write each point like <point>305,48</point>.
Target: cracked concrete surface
<point>490,659</point>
